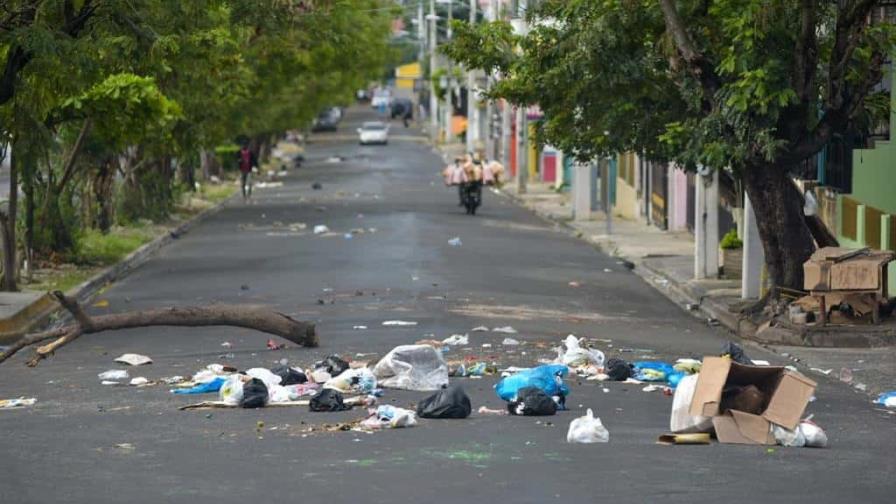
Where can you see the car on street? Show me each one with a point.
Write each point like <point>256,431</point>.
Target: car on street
<point>373,132</point>
<point>328,120</point>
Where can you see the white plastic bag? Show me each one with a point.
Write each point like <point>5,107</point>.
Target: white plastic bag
<point>265,375</point>
<point>412,367</point>
<point>815,435</point>
<point>681,421</point>
<point>576,356</point>
<point>457,339</point>
<point>587,429</point>
<point>231,391</point>
<point>806,434</point>
<point>113,374</point>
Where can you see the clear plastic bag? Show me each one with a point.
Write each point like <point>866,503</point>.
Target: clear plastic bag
<point>231,391</point>
<point>587,429</point>
<point>360,381</point>
<point>412,367</point>
<point>681,420</point>
<point>576,356</point>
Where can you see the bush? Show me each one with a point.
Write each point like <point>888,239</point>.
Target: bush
<point>731,241</point>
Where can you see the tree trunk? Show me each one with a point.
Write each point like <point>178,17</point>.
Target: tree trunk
<point>8,283</point>
<point>249,317</point>
<point>103,183</point>
<point>779,216</point>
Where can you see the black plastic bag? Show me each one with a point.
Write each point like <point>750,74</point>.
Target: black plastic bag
<point>618,369</point>
<point>532,401</point>
<point>328,400</point>
<point>255,394</point>
<point>333,364</point>
<point>289,376</point>
<point>451,402</point>
<point>736,353</point>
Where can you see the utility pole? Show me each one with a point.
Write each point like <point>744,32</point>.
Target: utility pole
<point>449,91</point>
<point>472,109</point>
<point>433,99</point>
<point>421,30</point>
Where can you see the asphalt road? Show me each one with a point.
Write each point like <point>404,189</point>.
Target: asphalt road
<point>85,442</point>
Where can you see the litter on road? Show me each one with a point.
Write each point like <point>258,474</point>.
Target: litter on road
<point>134,359</point>
<point>457,340</point>
<point>412,367</point>
<point>587,429</point>
<point>399,323</point>
<point>510,342</point>
<point>20,402</point>
<point>505,330</point>
<point>451,402</point>
<point>113,375</point>
<point>455,242</point>
<point>887,399</point>
<point>321,229</point>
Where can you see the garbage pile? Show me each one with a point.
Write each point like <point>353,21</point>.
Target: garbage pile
<point>729,397</point>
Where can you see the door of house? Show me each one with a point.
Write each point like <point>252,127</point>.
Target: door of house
<point>659,195</point>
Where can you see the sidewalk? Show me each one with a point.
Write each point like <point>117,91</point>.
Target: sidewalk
<point>666,261</point>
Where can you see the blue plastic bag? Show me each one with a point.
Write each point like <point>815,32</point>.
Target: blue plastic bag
<point>203,388</point>
<point>548,378</point>
<point>675,377</point>
<point>652,371</point>
<point>887,399</point>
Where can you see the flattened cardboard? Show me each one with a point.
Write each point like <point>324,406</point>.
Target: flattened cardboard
<point>742,428</point>
<point>835,268</point>
<point>788,393</point>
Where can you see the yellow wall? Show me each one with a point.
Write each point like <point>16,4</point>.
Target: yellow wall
<point>626,195</point>
<point>533,154</point>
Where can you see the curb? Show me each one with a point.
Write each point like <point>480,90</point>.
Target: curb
<point>45,309</point>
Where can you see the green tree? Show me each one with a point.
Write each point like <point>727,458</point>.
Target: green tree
<point>751,85</point>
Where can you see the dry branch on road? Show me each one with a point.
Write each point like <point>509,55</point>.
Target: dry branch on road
<point>249,317</point>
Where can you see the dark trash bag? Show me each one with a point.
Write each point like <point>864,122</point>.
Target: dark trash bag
<point>736,353</point>
<point>618,369</point>
<point>451,402</point>
<point>532,401</point>
<point>255,394</point>
<point>328,400</point>
<point>289,376</point>
<point>333,364</point>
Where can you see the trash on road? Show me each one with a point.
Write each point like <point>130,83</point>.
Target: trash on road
<point>399,323</point>
<point>387,416</point>
<point>575,355</point>
<point>113,375</point>
<point>255,394</point>
<point>785,394</point>
<point>451,402</point>
<point>618,369</point>
<point>510,342</point>
<point>328,400</point>
<point>321,229</point>
<point>412,367</point>
<point>587,429</point>
<point>485,410</point>
<point>681,420</point>
<point>696,438</point>
<point>359,327</point>
<point>20,402</point>
<point>807,434</point>
<point>887,399</point>
<point>202,388</point>
<point>332,364</point>
<point>289,376</point>
<point>268,185</point>
<point>358,381</point>
<point>140,380</point>
<point>532,401</point>
<point>455,242</point>
<point>134,359</point>
<point>457,340</point>
<point>505,330</point>
<point>652,371</point>
<point>548,378</point>
<point>735,352</point>
<point>481,328</point>
<point>689,366</point>
<point>273,345</point>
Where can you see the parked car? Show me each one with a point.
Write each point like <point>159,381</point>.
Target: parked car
<point>327,120</point>
<point>373,132</point>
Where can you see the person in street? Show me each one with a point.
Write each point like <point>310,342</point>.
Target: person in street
<point>407,114</point>
<point>247,162</point>
<point>455,175</point>
<point>472,188</point>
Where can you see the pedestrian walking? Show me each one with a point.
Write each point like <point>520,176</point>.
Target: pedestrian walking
<point>247,162</point>
<point>473,186</point>
<point>455,175</point>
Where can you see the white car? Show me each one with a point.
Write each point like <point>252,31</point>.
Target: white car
<point>374,132</point>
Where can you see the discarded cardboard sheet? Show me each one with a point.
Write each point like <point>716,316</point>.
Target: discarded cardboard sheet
<point>833,268</point>
<point>787,392</point>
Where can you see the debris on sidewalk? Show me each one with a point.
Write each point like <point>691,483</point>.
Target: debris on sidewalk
<point>399,323</point>
<point>133,359</point>
<point>20,402</point>
<point>412,367</point>
<point>451,402</point>
<point>587,429</point>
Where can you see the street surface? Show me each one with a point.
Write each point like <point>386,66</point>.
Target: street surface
<point>88,443</point>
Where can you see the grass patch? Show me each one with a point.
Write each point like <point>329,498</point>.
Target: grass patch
<point>217,193</point>
<point>63,280</point>
<point>97,248</point>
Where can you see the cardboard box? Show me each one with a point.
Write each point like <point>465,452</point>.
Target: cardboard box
<point>835,268</point>
<point>787,393</point>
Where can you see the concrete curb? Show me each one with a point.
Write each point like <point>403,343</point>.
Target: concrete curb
<point>45,309</point>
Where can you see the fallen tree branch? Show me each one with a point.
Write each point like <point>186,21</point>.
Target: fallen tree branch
<point>249,317</point>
